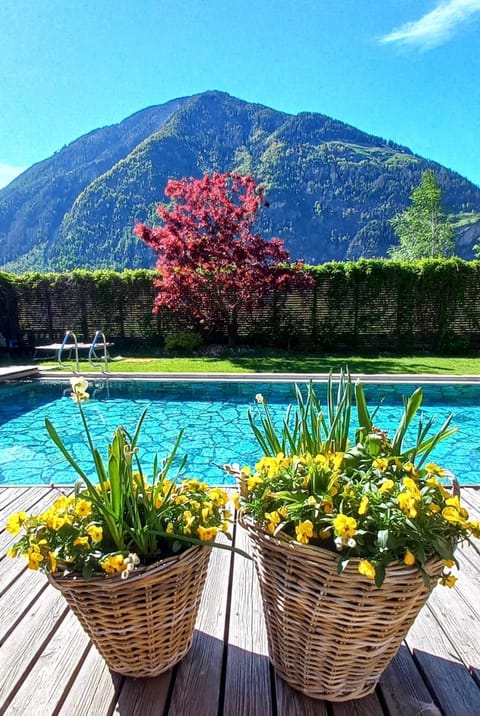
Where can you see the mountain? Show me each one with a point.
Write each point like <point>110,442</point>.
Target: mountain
<point>331,188</point>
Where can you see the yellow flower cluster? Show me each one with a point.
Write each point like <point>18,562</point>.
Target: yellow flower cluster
<point>196,509</point>
<point>70,537</point>
<point>61,536</point>
<point>385,509</point>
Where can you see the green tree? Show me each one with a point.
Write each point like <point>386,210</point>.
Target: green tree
<point>424,230</point>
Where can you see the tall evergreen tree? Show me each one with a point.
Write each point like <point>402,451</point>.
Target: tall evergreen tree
<point>424,229</point>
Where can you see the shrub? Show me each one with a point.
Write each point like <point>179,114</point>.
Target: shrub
<point>186,342</point>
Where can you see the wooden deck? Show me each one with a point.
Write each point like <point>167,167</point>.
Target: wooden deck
<point>48,665</point>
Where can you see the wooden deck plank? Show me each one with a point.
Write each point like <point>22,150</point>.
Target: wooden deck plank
<point>471,498</point>
<point>25,590</point>
<point>247,678</point>
<point>143,697</point>
<point>95,689</point>
<point>23,500</point>
<point>368,706</point>
<point>403,688</point>
<point>292,703</point>
<point>46,683</point>
<point>7,496</point>
<point>27,640</point>
<point>197,684</point>
<point>436,654</point>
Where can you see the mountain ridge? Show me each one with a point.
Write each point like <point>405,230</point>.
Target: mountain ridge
<point>331,187</point>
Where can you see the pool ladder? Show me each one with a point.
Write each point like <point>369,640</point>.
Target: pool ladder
<point>92,354</point>
<point>66,345</point>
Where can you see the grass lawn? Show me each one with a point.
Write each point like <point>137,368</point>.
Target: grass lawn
<point>276,361</point>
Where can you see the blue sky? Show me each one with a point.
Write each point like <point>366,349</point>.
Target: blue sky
<point>405,70</point>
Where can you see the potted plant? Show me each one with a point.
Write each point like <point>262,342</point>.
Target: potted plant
<point>130,552</point>
<point>350,533</point>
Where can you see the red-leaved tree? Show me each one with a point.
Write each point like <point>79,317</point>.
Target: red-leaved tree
<point>213,266</point>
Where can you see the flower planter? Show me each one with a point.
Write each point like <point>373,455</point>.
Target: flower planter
<point>332,635</point>
<point>142,625</point>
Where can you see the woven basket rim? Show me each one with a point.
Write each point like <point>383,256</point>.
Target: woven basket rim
<point>112,580</point>
<point>286,542</point>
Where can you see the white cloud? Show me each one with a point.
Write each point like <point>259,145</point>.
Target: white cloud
<point>8,173</point>
<point>436,27</point>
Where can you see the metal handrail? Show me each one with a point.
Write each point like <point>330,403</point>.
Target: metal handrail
<point>69,334</point>
<point>91,352</point>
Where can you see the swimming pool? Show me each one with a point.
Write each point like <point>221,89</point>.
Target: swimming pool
<point>213,414</point>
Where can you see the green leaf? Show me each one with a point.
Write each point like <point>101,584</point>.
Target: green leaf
<point>379,574</point>
<point>410,408</point>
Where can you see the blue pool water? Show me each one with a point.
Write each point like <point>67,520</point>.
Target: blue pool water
<point>213,414</point>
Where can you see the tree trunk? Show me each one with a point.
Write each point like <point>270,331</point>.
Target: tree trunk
<point>232,330</point>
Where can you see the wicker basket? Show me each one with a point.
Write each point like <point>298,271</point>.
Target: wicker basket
<point>332,635</point>
<point>142,625</point>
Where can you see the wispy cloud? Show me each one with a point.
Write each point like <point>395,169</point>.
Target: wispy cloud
<point>436,27</point>
<point>8,173</point>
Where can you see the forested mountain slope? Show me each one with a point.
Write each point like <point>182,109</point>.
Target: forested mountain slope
<point>330,188</point>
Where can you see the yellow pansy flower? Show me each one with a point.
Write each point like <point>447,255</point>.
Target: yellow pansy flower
<point>434,469</point>
<point>114,564</point>
<point>327,506</point>
<point>380,463</point>
<point>15,522</point>
<point>253,482</point>
<point>304,531</point>
<point>219,497</point>
<point>474,527</point>
<point>81,542</point>
<point>52,560</point>
<point>63,502</point>
<point>82,508</point>
<point>207,534</point>
<point>411,487</point>
<point>451,514</point>
<point>410,469</point>
<point>455,502</point>
<point>58,521</point>
<point>363,505</point>
<point>366,568</point>
<point>386,486</point>
<point>206,512</point>
<point>448,580</point>
<point>34,557</point>
<point>273,519</point>
<point>345,526</point>
<point>407,503</point>
<point>95,533</point>
<point>166,486</point>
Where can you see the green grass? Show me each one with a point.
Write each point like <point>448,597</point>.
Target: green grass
<point>275,361</point>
